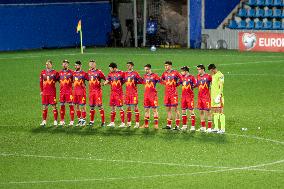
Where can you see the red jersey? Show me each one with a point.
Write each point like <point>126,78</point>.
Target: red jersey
<point>150,81</point>
<point>48,78</point>
<point>131,80</point>
<point>203,83</point>
<point>95,77</point>
<point>66,80</point>
<point>188,82</point>
<point>79,78</point>
<point>116,80</point>
<point>171,80</point>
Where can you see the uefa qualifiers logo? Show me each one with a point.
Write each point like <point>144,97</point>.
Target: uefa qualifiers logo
<point>249,40</point>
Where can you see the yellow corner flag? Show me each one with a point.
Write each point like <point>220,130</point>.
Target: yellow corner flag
<point>79,29</point>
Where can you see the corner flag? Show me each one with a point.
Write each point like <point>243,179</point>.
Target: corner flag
<point>79,29</point>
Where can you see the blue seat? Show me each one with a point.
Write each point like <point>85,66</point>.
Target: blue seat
<point>259,13</point>
<point>251,13</point>
<point>259,25</point>
<point>276,25</point>
<point>277,13</point>
<point>252,3</point>
<point>268,3</point>
<point>278,3</point>
<point>260,3</point>
<point>282,25</point>
<point>233,24</point>
<point>268,13</point>
<point>282,13</point>
<point>250,25</point>
<point>242,24</point>
<point>267,25</point>
<point>242,13</point>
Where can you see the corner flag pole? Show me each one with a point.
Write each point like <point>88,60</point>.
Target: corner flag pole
<point>79,29</point>
<point>81,38</point>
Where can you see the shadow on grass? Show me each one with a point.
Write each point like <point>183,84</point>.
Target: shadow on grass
<point>167,135</point>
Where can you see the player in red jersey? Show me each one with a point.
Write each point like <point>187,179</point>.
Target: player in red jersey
<point>95,92</point>
<point>115,79</point>
<point>204,100</point>
<point>171,79</point>
<point>132,78</point>
<point>48,78</point>
<point>188,83</point>
<point>150,96</point>
<point>79,78</point>
<point>66,80</point>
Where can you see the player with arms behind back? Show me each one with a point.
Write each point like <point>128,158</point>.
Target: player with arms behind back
<point>48,78</point>
<point>95,92</point>
<point>132,79</point>
<point>171,79</point>
<point>188,83</point>
<point>66,80</point>
<point>79,77</point>
<point>217,99</point>
<point>116,79</point>
<point>150,96</point>
<point>204,101</point>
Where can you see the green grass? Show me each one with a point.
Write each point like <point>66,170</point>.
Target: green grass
<point>34,157</point>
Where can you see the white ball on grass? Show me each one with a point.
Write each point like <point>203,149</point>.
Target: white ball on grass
<point>153,48</point>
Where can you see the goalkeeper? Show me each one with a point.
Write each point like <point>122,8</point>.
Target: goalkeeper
<point>217,99</point>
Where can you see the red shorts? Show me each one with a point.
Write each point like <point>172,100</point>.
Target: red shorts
<point>48,99</point>
<point>116,100</point>
<point>66,98</point>
<point>131,99</point>
<point>95,99</point>
<point>171,101</point>
<point>187,103</point>
<point>80,99</point>
<point>151,101</point>
<point>204,104</point>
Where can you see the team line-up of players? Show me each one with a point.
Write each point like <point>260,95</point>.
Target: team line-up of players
<point>73,92</point>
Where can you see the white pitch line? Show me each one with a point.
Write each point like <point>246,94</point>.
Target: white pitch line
<point>110,160</point>
<point>256,137</point>
<point>133,54</point>
<point>248,74</point>
<point>136,177</point>
<point>136,162</point>
<point>252,62</point>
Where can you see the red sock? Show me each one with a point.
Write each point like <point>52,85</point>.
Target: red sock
<point>193,120</point>
<point>169,123</point>
<point>44,114</point>
<point>147,120</point>
<point>78,114</point>
<point>184,119</point>
<point>129,115</point>
<point>71,112</point>
<point>62,112</point>
<point>177,122</point>
<point>102,112</point>
<point>112,116</point>
<point>84,114</point>
<point>137,116</point>
<point>156,120</point>
<point>122,116</point>
<point>209,124</point>
<point>92,114</point>
<point>55,114</point>
<point>202,123</point>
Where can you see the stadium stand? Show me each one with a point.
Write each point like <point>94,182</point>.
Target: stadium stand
<point>258,15</point>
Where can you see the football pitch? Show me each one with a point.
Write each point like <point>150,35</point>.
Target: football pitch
<point>35,157</point>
